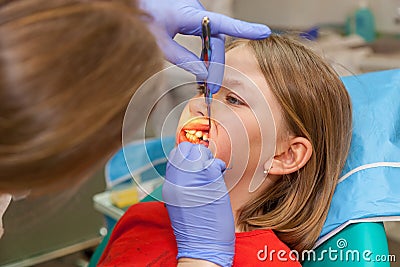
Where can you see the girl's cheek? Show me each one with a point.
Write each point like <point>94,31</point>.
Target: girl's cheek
<point>231,132</point>
<point>185,115</point>
<point>222,147</point>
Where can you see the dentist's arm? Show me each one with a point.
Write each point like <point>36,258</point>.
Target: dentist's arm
<point>184,16</point>
<point>199,208</point>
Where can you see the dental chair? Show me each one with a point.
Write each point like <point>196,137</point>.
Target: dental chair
<point>368,191</point>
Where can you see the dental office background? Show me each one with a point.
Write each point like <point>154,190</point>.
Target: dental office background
<point>39,229</point>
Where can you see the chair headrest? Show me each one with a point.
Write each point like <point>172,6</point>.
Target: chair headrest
<point>370,183</point>
<point>137,157</point>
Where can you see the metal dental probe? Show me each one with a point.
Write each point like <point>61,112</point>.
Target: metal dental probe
<point>206,56</point>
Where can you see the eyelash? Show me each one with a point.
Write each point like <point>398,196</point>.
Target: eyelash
<point>229,98</point>
<point>232,99</point>
<point>201,89</point>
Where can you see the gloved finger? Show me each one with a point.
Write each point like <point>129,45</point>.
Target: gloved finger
<point>189,157</point>
<point>216,67</point>
<point>197,4</point>
<point>180,153</point>
<point>221,24</point>
<point>220,164</point>
<point>198,152</point>
<point>191,152</point>
<point>215,165</point>
<point>183,58</point>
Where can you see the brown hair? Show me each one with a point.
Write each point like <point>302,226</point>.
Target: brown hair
<point>315,105</point>
<point>68,70</point>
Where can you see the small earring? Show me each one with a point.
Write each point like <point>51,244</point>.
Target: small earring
<point>265,171</point>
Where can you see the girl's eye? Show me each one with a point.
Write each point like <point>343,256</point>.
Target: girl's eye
<point>233,100</point>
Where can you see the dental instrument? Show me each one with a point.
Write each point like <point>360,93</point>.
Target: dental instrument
<point>206,56</point>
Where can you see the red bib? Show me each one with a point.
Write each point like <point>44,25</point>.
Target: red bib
<point>144,237</point>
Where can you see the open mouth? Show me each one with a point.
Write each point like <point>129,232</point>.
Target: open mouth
<point>195,132</point>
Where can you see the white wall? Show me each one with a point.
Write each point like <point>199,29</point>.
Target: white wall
<point>307,13</point>
<point>385,12</point>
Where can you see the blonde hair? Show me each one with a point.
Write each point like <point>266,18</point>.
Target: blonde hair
<point>68,70</point>
<point>315,105</point>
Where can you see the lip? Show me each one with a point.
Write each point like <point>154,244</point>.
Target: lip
<point>197,125</point>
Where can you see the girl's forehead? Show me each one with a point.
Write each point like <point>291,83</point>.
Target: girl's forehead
<point>240,57</point>
<point>242,70</point>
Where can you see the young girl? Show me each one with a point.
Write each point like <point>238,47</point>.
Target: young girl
<point>288,205</point>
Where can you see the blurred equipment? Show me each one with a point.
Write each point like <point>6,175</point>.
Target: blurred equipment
<point>39,229</point>
<point>362,22</point>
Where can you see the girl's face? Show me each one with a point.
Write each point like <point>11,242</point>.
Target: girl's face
<point>244,116</point>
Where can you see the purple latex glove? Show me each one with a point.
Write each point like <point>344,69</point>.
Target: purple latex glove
<point>198,205</point>
<point>184,16</point>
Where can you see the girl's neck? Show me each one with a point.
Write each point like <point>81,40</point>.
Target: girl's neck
<point>240,195</point>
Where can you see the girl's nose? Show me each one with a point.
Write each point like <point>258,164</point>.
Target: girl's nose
<point>197,106</point>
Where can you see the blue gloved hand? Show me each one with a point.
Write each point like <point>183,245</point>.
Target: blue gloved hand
<point>198,205</point>
<point>184,16</point>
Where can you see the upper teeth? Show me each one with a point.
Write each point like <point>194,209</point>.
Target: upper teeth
<point>193,135</point>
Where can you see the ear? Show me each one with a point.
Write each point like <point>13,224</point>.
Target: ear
<point>291,156</point>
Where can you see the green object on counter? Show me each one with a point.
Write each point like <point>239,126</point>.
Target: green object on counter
<point>362,23</point>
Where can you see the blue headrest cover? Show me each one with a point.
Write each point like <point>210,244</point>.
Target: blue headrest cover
<point>370,182</point>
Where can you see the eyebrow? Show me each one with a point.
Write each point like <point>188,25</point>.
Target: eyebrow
<point>239,85</point>
<point>232,81</point>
